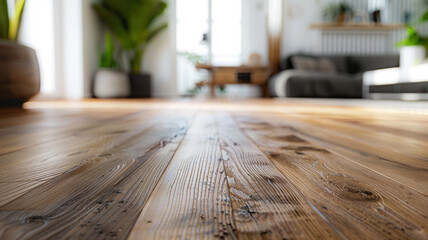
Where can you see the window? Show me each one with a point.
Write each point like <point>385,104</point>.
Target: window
<point>209,30</point>
<point>37,32</point>
<point>226,25</point>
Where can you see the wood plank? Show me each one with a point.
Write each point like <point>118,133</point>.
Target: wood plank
<point>17,117</point>
<point>49,126</point>
<point>399,144</point>
<point>361,204</point>
<point>408,171</point>
<point>191,200</point>
<point>266,204</point>
<point>396,127</point>
<point>102,197</point>
<point>42,162</point>
<point>70,140</point>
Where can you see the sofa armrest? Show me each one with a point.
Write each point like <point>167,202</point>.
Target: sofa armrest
<point>294,83</point>
<point>278,82</point>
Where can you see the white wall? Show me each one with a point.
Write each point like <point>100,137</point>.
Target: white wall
<point>71,55</point>
<point>254,32</point>
<point>92,35</point>
<point>159,59</point>
<point>77,34</point>
<point>298,16</point>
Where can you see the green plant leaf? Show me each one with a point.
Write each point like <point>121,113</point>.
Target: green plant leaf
<point>424,17</point>
<point>122,7</point>
<point>412,38</point>
<point>15,22</point>
<point>158,11</point>
<point>152,33</point>
<point>4,20</point>
<point>146,38</point>
<point>133,23</point>
<point>139,20</point>
<point>114,23</point>
<point>109,48</point>
<point>107,58</point>
<point>136,60</point>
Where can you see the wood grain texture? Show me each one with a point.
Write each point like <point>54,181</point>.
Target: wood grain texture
<point>266,204</point>
<point>395,164</point>
<point>43,127</point>
<point>191,169</point>
<point>47,159</point>
<point>192,199</point>
<point>103,195</point>
<point>343,192</point>
<point>407,148</point>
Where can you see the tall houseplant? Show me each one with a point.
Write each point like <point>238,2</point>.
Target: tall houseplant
<point>134,24</point>
<point>19,69</point>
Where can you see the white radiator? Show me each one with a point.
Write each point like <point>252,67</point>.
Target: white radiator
<point>333,42</point>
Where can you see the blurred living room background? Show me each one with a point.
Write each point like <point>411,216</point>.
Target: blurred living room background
<point>237,48</point>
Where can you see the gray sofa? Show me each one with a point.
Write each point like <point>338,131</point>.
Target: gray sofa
<point>344,82</point>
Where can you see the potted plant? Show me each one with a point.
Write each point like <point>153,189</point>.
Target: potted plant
<point>337,12</point>
<point>133,23</point>
<point>413,47</point>
<point>110,82</point>
<point>19,68</point>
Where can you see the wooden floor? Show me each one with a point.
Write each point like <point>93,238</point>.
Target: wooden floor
<point>255,169</point>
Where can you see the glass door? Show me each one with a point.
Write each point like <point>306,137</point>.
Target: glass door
<point>210,32</point>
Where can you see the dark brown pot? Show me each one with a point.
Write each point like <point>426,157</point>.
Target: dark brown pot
<point>19,74</point>
<point>141,85</point>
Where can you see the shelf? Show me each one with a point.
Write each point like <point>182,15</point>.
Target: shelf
<point>236,68</point>
<point>357,26</point>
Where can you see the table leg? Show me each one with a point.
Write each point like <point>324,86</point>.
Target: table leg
<point>212,84</point>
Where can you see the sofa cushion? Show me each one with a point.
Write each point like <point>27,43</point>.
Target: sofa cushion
<point>295,83</point>
<point>304,63</point>
<point>326,65</point>
<point>313,64</point>
<point>340,62</point>
<point>337,86</point>
<point>360,64</point>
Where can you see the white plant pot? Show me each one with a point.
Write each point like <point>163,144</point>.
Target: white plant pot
<point>409,57</point>
<point>111,84</point>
